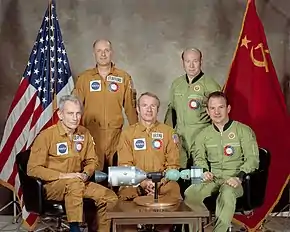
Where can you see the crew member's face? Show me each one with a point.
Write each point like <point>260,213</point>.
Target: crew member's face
<point>192,63</point>
<point>103,53</point>
<point>218,110</point>
<point>148,109</point>
<point>71,115</point>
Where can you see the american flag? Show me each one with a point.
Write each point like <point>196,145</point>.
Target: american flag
<point>46,78</point>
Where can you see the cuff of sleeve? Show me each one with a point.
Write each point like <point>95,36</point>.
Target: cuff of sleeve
<point>53,177</point>
<point>88,171</point>
<point>241,175</point>
<point>164,181</point>
<point>88,176</point>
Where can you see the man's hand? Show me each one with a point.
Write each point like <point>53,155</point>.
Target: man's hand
<point>208,176</point>
<point>148,186</point>
<point>81,176</point>
<point>234,182</point>
<point>84,177</point>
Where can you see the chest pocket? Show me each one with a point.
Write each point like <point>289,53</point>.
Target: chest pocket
<point>62,156</point>
<point>178,100</point>
<point>212,151</point>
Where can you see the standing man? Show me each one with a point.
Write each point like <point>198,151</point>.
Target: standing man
<point>105,90</point>
<point>226,150</point>
<point>63,156</point>
<point>186,111</point>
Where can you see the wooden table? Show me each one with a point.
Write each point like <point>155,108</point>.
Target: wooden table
<point>129,213</point>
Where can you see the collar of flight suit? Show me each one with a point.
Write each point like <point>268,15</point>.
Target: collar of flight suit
<point>142,128</point>
<point>112,71</point>
<point>226,126</point>
<point>194,79</point>
<point>62,131</point>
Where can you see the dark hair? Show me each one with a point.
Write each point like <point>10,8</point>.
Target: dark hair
<point>191,49</point>
<point>217,94</point>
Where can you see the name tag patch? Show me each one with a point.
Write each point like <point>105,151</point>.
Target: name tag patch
<point>139,144</point>
<point>115,79</point>
<point>157,135</point>
<point>79,138</point>
<point>95,86</point>
<point>61,148</point>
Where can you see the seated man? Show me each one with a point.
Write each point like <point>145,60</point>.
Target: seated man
<point>63,156</point>
<point>151,146</point>
<point>226,150</point>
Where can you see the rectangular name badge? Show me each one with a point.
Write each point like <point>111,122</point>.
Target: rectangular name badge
<point>115,79</point>
<point>79,138</point>
<point>157,135</point>
<point>62,148</point>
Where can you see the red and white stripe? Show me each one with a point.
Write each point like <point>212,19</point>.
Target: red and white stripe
<point>26,118</point>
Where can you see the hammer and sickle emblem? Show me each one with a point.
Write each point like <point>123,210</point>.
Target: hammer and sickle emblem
<point>259,63</point>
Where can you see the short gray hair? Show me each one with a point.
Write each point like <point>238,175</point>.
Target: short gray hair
<point>71,98</point>
<point>150,95</point>
<point>105,40</point>
<point>191,49</point>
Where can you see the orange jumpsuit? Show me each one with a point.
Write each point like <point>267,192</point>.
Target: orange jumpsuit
<point>104,101</point>
<point>152,150</point>
<point>52,153</point>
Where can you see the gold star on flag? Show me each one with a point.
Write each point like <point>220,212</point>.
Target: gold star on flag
<point>245,42</point>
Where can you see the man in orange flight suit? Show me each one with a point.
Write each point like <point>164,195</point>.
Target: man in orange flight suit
<point>63,156</point>
<point>105,90</point>
<point>151,146</point>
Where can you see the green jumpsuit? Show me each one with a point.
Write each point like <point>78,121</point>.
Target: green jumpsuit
<point>230,153</point>
<point>187,111</point>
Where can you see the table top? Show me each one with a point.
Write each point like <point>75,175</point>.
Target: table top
<point>129,209</point>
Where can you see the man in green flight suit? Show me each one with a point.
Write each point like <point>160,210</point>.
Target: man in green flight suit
<point>186,110</point>
<point>226,150</point>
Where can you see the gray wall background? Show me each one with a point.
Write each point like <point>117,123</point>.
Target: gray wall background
<point>148,37</point>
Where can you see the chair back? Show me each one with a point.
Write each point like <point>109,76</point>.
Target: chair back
<point>258,183</point>
<point>31,187</point>
<point>265,159</point>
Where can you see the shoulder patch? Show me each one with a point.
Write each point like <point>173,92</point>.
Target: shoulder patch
<point>175,138</point>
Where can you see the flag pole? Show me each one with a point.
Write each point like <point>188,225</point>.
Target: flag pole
<point>52,84</point>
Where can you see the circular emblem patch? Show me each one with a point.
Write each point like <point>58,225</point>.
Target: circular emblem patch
<point>193,104</point>
<point>231,135</point>
<point>229,150</point>
<point>62,148</point>
<point>139,144</point>
<point>113,87</point>
<point>78,146</point>
<point>196,88</point>
<point>95,85</point>
<point>157,143</point>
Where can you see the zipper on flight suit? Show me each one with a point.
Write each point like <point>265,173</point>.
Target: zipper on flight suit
<point>70,147</point>
<point>222,149</point>
<point>105,114</point>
